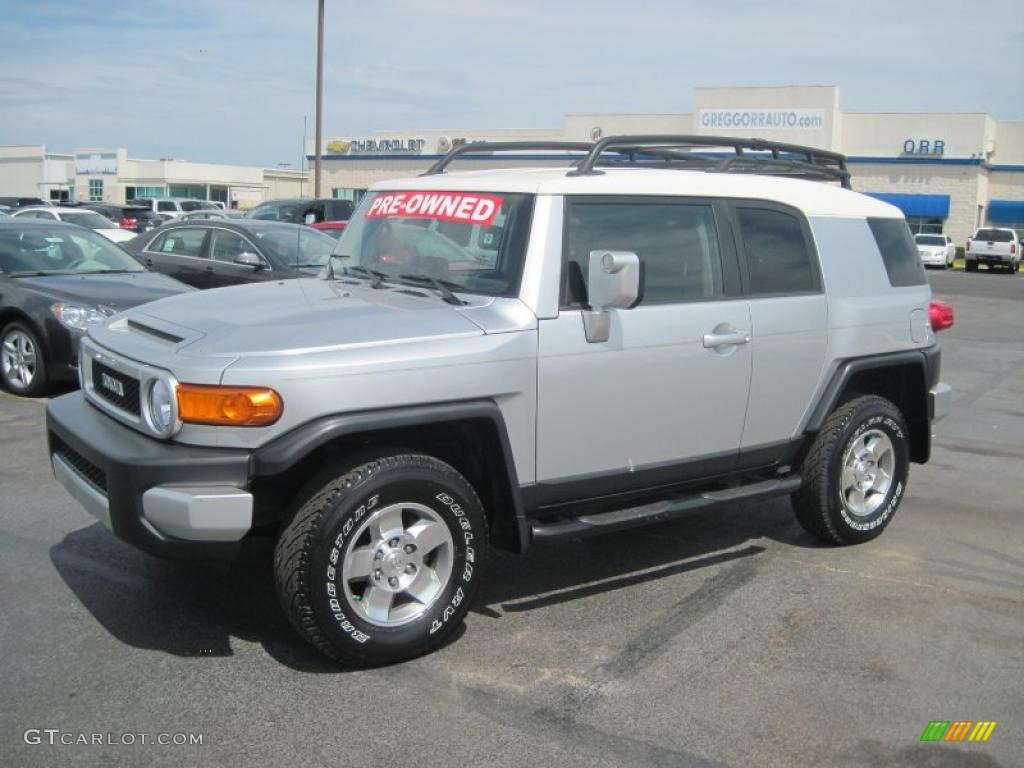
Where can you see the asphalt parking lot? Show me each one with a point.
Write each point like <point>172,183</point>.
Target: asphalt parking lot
<point>730,638</point>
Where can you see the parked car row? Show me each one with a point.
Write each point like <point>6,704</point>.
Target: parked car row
<point>57,279</point>
<point>60,270</point>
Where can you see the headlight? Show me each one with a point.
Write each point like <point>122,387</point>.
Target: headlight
<point>77,317</point>
<point>161,406</point>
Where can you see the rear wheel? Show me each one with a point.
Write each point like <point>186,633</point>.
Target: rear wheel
<point>22,363</point>
<point>381,562</point>
<point>970,266</point>
<point>855,473</point>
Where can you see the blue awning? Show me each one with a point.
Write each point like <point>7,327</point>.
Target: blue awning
<point>925,206</point>
<point>1006,211</point>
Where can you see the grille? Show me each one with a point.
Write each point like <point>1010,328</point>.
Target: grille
<point>129,401</point>
<point>84,467</point>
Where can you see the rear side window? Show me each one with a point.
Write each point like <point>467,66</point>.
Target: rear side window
<point>180,242</point>
<point>166,206</point>
<point>899,253</point>
<point>778,257</point>
<point>339,210</point>
<point>677,245</point>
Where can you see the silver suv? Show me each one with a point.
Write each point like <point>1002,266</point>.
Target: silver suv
<point>497,357</point>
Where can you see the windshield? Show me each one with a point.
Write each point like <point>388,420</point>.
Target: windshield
<point>60,250</point>
<point>473,242</point>
<point>88,220</point>
<point>930,240</point>
<point>297,246</point>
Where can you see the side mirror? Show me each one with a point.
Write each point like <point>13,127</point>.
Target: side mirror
<point>249,259</point>
<point>309,218</point>
<point>613,283</point>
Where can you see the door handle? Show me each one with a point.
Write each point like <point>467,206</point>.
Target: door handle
<point>727,339</point>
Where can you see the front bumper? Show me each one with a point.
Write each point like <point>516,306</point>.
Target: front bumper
<point>167,499</point>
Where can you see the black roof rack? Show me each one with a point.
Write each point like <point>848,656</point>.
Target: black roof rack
<point>785,159</point>
<point>486,148</point>
<point>678,151</point>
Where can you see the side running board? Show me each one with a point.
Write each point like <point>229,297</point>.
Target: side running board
<point>660,511</point>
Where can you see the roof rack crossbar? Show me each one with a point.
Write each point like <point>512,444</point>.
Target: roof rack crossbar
<point>489,147</point>
<point>825,164</point>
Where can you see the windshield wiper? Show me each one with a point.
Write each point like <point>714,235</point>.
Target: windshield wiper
<point>376,278</point>
<point>443,287</point>
<point>36,273</point>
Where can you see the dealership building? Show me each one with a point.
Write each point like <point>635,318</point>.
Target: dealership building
<point>948,172</point>
<point>99,174</point>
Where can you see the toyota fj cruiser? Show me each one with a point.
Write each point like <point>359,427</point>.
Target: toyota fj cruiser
<point>497,357</point>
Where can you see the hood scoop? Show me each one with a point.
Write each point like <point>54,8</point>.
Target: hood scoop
<point>135,325</point>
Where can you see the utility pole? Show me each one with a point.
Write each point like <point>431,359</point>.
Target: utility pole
<point>319,96</point>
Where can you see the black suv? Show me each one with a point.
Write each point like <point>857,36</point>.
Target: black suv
<point>297,209</point>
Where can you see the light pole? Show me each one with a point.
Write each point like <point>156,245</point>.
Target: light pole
<point>319,95</point>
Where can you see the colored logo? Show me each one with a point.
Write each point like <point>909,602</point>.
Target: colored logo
<point>958,730</point>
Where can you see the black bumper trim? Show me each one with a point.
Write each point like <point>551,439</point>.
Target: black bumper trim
<point>133,463</point>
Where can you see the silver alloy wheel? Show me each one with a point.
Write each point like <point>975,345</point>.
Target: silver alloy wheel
<point>867,472</point>
<point>18,357</point>
<point>397,564</point>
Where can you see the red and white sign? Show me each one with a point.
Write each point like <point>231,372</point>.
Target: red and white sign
<point>463,207</point>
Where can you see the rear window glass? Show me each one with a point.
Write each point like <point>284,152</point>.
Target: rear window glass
<point>899,253</point>
<point>994,235</point>
<point>779,260</point>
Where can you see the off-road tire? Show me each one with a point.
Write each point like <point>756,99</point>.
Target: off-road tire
<point>309,558</point>
<point>819,504</point>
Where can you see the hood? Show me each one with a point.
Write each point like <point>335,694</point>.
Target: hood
<point>118,291</point>
<point>305,315</point>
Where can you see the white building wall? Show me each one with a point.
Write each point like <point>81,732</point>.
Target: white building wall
<point>31,171</point>
<point>960,182</point>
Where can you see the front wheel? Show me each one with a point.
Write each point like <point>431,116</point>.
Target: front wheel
<point>381,562</point>
<point>855,473</point>
<point>22,363</point>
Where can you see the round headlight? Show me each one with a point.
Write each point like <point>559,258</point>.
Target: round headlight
<point>161,405</point>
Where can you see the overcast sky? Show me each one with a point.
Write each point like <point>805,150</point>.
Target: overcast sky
<point>230,81</point>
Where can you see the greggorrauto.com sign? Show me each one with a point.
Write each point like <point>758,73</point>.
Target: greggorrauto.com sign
<point>763,119</point>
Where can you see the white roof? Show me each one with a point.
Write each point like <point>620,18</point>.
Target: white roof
<point>814,198</point>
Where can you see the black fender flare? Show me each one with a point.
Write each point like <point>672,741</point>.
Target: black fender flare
<point>288,450</point>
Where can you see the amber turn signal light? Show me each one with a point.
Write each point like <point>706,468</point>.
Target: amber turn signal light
<point>228,406</point>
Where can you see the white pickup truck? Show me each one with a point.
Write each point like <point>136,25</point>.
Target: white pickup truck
<point>993,246</point>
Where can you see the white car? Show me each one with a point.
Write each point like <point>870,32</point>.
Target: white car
<point>936,250</point>
<point>173,207</point>
<point>80,216</point>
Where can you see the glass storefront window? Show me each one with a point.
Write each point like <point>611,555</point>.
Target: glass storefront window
<point>920,225</point>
